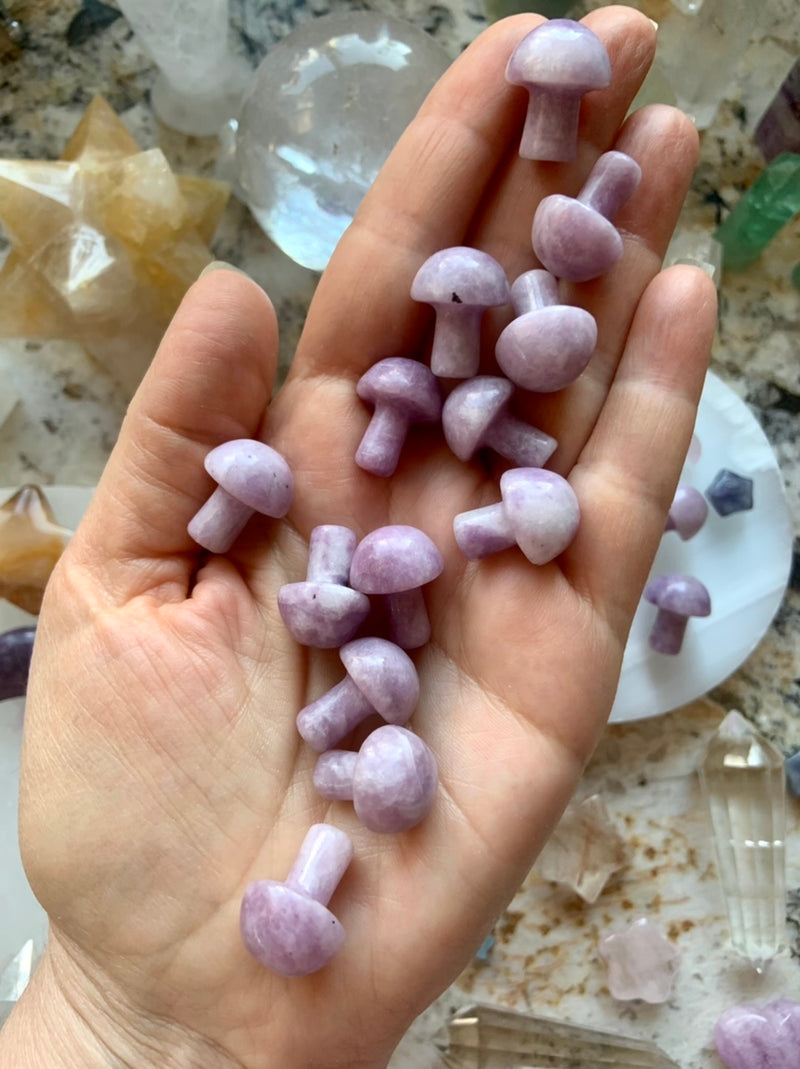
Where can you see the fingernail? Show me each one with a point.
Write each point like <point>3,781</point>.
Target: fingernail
<point>221,265</point>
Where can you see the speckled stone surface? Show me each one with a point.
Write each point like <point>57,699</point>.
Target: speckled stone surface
<point>545,956</point>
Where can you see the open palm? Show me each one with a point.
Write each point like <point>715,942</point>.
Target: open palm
<point>162,770</point>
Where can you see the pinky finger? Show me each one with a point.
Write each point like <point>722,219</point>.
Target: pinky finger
<point>627,472</point>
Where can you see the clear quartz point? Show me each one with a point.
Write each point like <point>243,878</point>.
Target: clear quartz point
<point>487,1037</point>
<point>585,849</point>
<point>743,779</point>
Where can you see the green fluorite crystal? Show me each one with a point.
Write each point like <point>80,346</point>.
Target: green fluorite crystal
<point>771,202</point>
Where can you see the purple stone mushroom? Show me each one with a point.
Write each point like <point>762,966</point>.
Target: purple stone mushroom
<point>391,780</point>
<point>381,678</point>
<point>549,343</point>
<point>460,283</point>
<point>687,513</point>
<point>16,649</point>
<point>477,414</point>
<point>403,392</point>
<point>252,477</point>
<point>396,561</point>
<point>287,926</point>
<point>557,63</point>
<point>574,237</point>
<point>677,597</point>
<point>324,612</point>
<point>538,511</point>
<point>766,1037</point>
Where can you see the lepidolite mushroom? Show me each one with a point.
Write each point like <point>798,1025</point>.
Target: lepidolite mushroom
<point>687,513</point>
<point>574,237</point>
<point>391,780</point>
<point>324,611</point>
<point>538,511</point>
<point>557,63</point>
<point>677,597</point>
<point>403,392</point>
<point>477,413</point>
<point>381,678</point>
<point>548,344</point>
<point>287,926</point>
<point>396,561</point>
<point>252,477</point>
<point>460,283</point>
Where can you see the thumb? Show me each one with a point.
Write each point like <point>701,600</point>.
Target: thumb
<point>209,382</point>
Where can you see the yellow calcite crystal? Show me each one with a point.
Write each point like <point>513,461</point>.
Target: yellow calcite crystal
<point>31,541</point>
<point>105,242</point>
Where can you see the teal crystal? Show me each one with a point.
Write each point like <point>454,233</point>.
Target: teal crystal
<point>743,778</point>
<point>488,1037</point>
<point>768,205</point>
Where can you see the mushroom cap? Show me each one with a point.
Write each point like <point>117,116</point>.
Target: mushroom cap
<point>547,349</point>
<point>542,511</point>
<point>404,384</point>
<point>253,473</point>
<point>287,931</point>
<point>394,558</point>
<point>572,240</point>
<point>394,781</point>
<point>470,410</point>
<point>385,675</point>
<point>562,55</point>
<point>322,615</point>
<point>461,275</point>
<point>681,594</point>
<point>687,513</point>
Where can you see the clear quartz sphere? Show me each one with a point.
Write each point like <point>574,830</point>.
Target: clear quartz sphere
<point>325,108</point>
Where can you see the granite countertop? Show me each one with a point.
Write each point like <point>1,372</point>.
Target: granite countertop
<point>62,432</point>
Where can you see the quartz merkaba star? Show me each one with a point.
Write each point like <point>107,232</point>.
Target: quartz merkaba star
<point>105,242</point>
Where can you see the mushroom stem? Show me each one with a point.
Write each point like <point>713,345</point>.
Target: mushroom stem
<point>483,531</point>
<point>610,184</point>
<point>527,446</point>
<point>333,775</point>
<point>328,719</point>
<point>219,522</point>
<point>330,551</point>
<point>668,631</point>
<point>533,290</point>
<point>324,855</point>
<point>551,126</point>
<point>383,440</point>
<point>456,340</point>
<point>409,625</point>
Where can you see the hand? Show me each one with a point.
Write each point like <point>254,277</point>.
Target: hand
<point>162,769</point>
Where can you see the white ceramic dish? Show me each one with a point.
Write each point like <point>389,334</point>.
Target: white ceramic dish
<point>744,559</point>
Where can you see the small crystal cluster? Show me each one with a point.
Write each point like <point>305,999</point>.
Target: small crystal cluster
<point>392,779</point>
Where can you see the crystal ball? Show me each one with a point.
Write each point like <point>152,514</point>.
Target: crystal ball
<point>323,111</point>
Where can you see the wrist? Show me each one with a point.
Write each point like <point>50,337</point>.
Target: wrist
<point>65,1020</point>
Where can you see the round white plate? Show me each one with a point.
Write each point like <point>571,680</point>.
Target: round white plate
<point>744,559</point>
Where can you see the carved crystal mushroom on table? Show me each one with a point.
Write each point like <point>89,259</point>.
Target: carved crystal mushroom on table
<point>677,597</point>
<point>687,513</point>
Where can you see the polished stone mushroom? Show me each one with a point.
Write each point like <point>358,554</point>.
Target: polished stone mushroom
<point>574,237</point>
<point>287,926</point>
<point>324,611</point>
<point>538,511</point>
<point>460,283</point>
<point>477,414</point>
<point>403,392</point>
<point>557,63</point>
<point>391,781</point>
<point>687,513</point>
<point>381,678</point>
<point>396,561</point>
<point>677,597</point>
<point>548,344</point>
<point>251,477</point>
